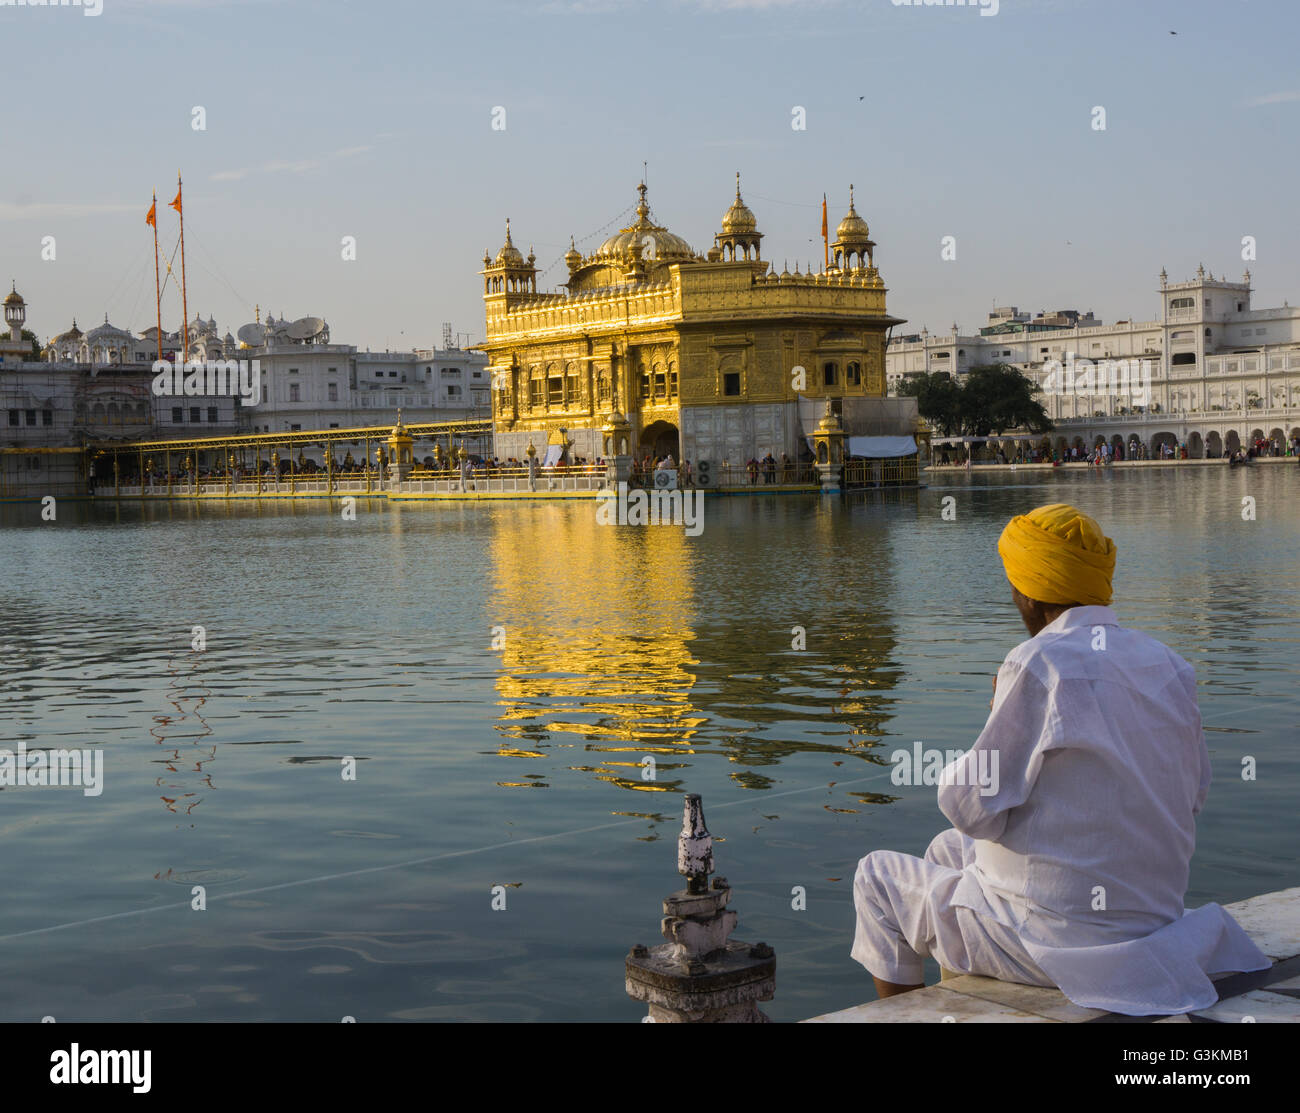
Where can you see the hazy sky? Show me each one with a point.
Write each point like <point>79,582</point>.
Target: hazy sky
<point>374,120</point>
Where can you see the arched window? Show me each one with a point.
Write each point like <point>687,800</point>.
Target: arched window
<point>554,385</point>
<point>535,386</point>
<point>572,384</point>
<point>853,374</point>
<point>830,373</point>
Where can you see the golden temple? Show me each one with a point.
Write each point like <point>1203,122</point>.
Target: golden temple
<point>702,356</point>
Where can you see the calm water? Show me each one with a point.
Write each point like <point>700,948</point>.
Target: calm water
<point>519,766</point>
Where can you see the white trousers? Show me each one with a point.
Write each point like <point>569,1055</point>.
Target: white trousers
<point>905,914</point>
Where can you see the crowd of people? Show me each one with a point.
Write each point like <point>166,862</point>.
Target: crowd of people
<point>755,471</point>
<point>1102,454</point>
<point>494,467</point>
<point>645,468</point>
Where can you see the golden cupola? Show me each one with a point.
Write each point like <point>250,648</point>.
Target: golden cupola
<point>853,247</point>
<point>15,312</point>
<point>572,257</point>
<point>739,235</point>
<point>738,218</point>
<point>509,255</point>
<point>509,272</point>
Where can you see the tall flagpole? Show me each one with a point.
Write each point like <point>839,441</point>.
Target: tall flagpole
<point>157,281</point>
<point>185,309</point>
<point>826,242</point>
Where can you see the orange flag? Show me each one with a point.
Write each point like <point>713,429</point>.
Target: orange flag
<point>825,226</point>
<point>177,203</point>
<point>151,218</point>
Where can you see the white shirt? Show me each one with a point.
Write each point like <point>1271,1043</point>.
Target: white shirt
<point>1085,845</point>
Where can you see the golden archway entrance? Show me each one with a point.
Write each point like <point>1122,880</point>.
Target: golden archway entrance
<point>661,438</point>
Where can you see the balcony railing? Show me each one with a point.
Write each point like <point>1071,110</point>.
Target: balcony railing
<point>1228,413</point>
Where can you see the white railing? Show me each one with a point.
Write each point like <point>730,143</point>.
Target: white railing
<point>500,480</point>
<point>354,484</point>
<point>511,482</point>
<point>1231,413</point>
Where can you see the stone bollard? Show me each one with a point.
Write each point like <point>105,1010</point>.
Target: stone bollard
<point>700,976</point>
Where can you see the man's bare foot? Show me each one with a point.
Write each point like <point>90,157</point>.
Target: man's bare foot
<point>892,989</point>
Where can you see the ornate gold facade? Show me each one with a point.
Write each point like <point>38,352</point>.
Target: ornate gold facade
<point>700,351</point>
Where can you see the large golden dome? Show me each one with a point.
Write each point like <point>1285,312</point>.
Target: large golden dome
<point>657,241</point>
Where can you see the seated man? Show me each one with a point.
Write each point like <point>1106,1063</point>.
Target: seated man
<point>1068,866</point>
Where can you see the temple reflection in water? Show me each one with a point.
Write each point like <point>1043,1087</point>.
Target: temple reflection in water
<point>647,642</point>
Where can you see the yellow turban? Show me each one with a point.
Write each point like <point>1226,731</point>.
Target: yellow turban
<point>1057,554</point>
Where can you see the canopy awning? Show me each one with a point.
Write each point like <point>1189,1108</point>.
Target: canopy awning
<point>880,447</point>
<point>875,448</point>
<point>553,454</point>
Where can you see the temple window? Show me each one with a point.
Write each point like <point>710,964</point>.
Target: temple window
<point>853,374</point>
<point>829,374</point>
<point>731,384</point>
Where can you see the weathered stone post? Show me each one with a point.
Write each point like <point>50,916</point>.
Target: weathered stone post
<point>700,976</point>
<point>532,466</point>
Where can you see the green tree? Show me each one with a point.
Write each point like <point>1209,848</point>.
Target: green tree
<point>938,400</point>
<point>996,398</point>
<point>35,357</point>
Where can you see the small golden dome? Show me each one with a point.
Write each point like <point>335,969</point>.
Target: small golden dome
<point>509,255</point>
<point>852,228</point>
<point>73,333</point>
<point>14,297</point>
<point>572,257</point>
<point>738,218</point>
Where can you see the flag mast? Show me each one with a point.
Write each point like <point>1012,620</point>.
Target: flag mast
<point>185,309</point>
<point>826,242</point>
<point>152,219</point>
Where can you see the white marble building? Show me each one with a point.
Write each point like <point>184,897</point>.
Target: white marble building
<point>336,386</point>
<point>1222,373</point>
<point>96,386</point>
<point>307,381</point>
